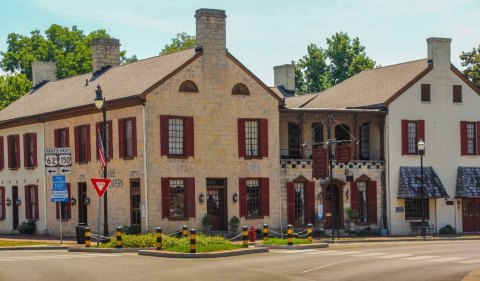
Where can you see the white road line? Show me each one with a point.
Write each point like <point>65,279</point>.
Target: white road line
<point>320,267</point>
<point>472,261</point>
<point>393,256</point>
<point>298,251</point>
<point>448,259</point>
<point>333,253</point>
<point>417,258</point>
<point>366,255</point>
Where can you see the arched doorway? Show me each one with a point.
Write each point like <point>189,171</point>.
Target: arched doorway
<point>332,200</point>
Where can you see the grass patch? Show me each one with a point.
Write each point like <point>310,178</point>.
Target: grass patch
<point>182,245</point>
<point>284,241</point>
<point>9,243</point>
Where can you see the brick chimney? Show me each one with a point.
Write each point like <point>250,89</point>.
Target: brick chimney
<point>439,52</point>
<point>43,71</point>
<point>211,31</point>
<point>284,75</point>
<point>105,52</point>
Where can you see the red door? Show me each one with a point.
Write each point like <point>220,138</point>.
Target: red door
<point>471,214</point>
<point>331,206</point>
<point>216,203</point>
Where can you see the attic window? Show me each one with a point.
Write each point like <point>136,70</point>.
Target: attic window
<point>240,89</point>
<point>188,86</point>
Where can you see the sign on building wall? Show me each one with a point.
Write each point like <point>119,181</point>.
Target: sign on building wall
<point>58,161</point>
<point>320,163</point>
<point>343,154</point>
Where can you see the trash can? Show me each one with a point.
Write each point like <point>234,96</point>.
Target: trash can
<point>80,230</point>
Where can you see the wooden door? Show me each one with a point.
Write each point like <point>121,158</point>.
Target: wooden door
<point>216,203</point>
<point>471,214</point>
<point>331,206</point>
<point>15,206</point>
<point>83,202</point>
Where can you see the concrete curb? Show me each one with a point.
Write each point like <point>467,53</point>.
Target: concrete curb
<point>294,247</point>
<point>105,250</point>
<point>28,248</point>
<point>164,254</point>
<point>403,240</point>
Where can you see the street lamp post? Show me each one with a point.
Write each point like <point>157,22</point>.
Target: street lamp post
<point>100,103</point>
<point>330,161</point>
<point>421,150</point>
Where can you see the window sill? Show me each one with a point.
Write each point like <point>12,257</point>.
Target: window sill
<point>178,219</point>
<point>252,157</point>
<point>128,157</point>
<point>30,168</point>
<point>13,169</point>
<point>82,163</point>
<point>254,217</point>
<point>177,156</point>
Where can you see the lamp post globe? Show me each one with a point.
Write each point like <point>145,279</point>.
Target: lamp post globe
<point>99,101</point>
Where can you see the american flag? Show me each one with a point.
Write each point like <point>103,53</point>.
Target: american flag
<point>101,151</point>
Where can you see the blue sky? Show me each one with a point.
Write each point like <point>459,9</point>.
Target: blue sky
<point>262,34</point>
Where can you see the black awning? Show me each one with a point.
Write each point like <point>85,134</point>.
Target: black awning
<point>410,183</point>
<point>468,182</point>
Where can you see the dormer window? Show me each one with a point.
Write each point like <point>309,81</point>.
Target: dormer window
<point>188,86</point>
<point>240,89</point>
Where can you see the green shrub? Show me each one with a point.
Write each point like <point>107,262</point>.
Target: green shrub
<point>27,227</point>
<point>448,229</point>
<point>234,222</point>
<point>134,229</point>
<point>367,231</point>
<point>284,241</point>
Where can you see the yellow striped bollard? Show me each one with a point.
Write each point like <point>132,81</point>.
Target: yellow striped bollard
<point>290,235</point>
<point>87,236</point>
<point>310,232</point>
<point>119,237</point>
<point>185,231</point>
<point>245,236</point>
<point>265,232</point>
<point>159,238</point>
<point>193,240</point>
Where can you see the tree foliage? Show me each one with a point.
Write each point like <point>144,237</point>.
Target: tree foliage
<point>13,87</point>
<point>182,41</point>
<point>321,68</point>
<point>472,61</point>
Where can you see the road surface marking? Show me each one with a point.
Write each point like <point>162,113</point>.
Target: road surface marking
<point>333,253</point>
<point>448,259</point>
<point>366,255</point>
<point>417,258</point>
<point>472,261</point>
<point>298,251</point>
<point>320,267</point>
<point>393,256</point>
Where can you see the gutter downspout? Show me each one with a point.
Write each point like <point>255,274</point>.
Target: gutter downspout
<point>44,181</point>
<point>388,202</point>
<point>145,183</point>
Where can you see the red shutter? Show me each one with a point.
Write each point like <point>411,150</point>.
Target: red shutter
<point>37,207</point>
<point>76,136</point>
<point>265,197</point>
<point>290,202</point>
<point>189,137</point>
<point>56,137</point>
<point>478,138</point>
<point>373,202</point>
<point>264,137</point>
<point>98,128</point>
<point>354,195</point>
<point>163,135</point>
<point>165,197</point>
<point>17,144</point>
<point>34,139</point>
<point>25,150</point>
<point>134,136</point>
<point>311,202</point>
<point>67,137</point>
<point>27,203</point>
<point>420,130</point>
<point>404,137</point>
<point>190,182</point>
<point>242,190</point>
<point>121,137</point>
<point>2,154</point>
<point>2,197</point>
<point>89,145</point>
<point>241,137</point>
<point>463,137</point>
<point>110,140</point>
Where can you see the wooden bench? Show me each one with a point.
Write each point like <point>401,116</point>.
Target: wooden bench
<point>417,228</point>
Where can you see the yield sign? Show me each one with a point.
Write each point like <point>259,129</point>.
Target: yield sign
<point>100,185</point>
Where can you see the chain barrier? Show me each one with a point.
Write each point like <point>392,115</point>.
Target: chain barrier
<point>239,235</point>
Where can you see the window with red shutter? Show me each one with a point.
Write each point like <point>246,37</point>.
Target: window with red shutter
<point>30,150</point>
<point>425,93</point>
<point>2,154</point>
<point>108,140</point>
<point>82,144</point>
<point>13,143</point>
<point>463,138</point>
<point>412,132</point>
<point>61,137</point>
<point>2,203</point>
<point>177,136</point>
<point>457,93</point>
<point>31,202</point>
<point>178,198</point>
<point>127,130</point>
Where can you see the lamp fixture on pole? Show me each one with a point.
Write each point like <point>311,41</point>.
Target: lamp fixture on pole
<point>101,103</point>
<point>421,150</point>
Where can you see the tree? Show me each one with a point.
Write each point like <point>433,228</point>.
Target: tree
<point>472,61</point>
<point>182,41</point>
<point>321,68</point>
<point>69,48</point>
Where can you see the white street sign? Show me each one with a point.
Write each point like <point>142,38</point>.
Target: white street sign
<point>64,150</point>
<point>51,171</point>
<point>51,150</point>
<point>64,170</point>
<point>64,160</point>
<point>51,160</point>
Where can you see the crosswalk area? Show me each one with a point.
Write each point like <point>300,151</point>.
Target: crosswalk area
<point>61,257</point>
<point>386,256</point>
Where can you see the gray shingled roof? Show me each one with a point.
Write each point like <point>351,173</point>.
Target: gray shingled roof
<point>117,82</point>
<point>468,182</point>
<point>369,87</point>
<point>409,185</point>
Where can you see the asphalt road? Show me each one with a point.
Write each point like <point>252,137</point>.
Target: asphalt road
<point>445,260</point>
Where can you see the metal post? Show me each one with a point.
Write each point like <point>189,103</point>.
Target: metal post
<point>104,143</point>
<point>245,236</point>
<point>119,237</point>
<point>265,232</point>
<point>87,236</point>
<point>310,232</point>
<point>193,240</point>
<point>422,187</point>
<point>185,231</point>
<point>289,235</point>
<point>330,160</point>
<point>159,238</point>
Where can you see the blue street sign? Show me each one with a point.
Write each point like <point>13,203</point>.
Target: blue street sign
<point>59,186</point>
<point>58,200</point>
<point>59,195</point>
<point>58,178</point>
